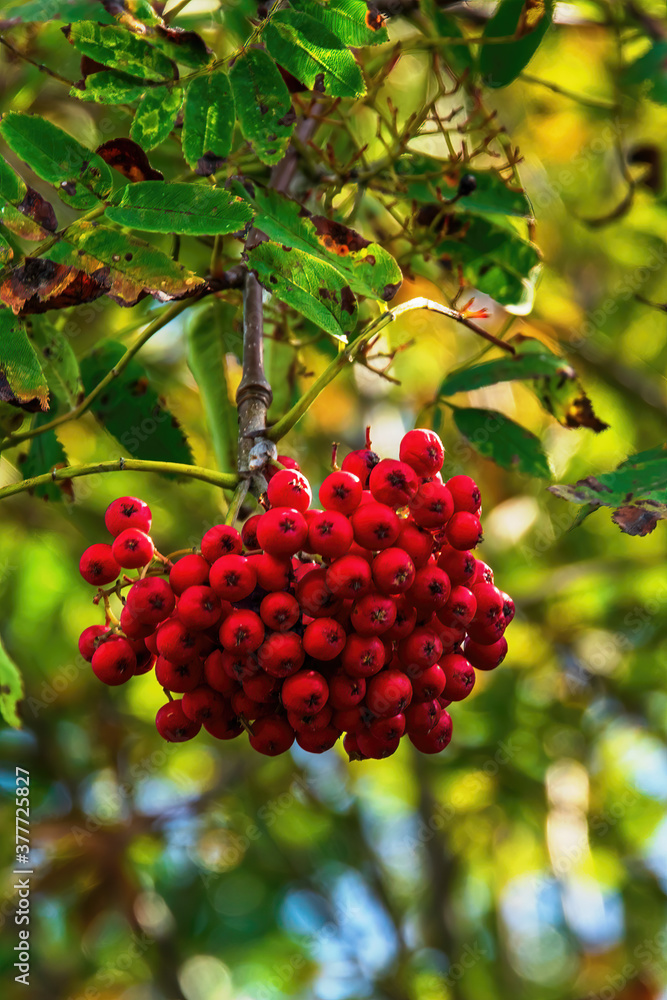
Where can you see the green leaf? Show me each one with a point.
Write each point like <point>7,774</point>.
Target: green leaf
<point>67,11</point>
<point>22,210</point>
<point>44,454</point>
<point>308,284</point>
<point>118,48</point>
<point>156,116</point>
<point>131,410</point>
<point>429,180</point>
<point>649,69</point>
<point>352,22</point>
<point>208,122</point>
<point>368,267</point>
<point>110,87</point>
<point>528,22</point>
<point>208,342</point>
<point>6,251</point>
<point>525,364</point>
<point>311,53</point>
<point>458,57</point>
<point>493,259</point>
<point>135,267</point>
<point>58,361</point>
<point>194,209</point>
<point>636,489</point>
<point>186,47</point>
<point>263,104</point>
<point>21,377</point>
<point>508,444</point>
<point>80,176</point>
<point>562,394</point>
<point>11,689</point>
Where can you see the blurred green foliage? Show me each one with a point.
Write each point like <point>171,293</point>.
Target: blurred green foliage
<point>529,859</point>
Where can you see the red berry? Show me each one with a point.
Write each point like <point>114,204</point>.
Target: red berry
<point>490,603</point>
<point>242,632</point>
<point>233,577</point>
<point>485,634</point>
<point>460,609</point>
<point>173,724</point>
<point>375,526</point>
<point>483,573</point>
<point>289,488</point>
<point>421,716</point>
<point>249,532</point>
<point>289,463</point>
<point>329,534</point>
<point>319,741</point>
<point>486,657</point>
<point>282,531</point>
<point>220,540</point>
<point>199,607</point>
<point>127,512</point>
<point>132,628</point>
<point>324,639</point>
<point>177,642</point>
<point>114,661</point>
<point>351,747</point>
<point>420,650</point>
<point>432,507</point>
<point>279,611</point>
<point>243,704</point>
<point>216,675</point>
<point>179,677</point>
<point>451,638</point>
<point>361,463</point>
<point>370,746</point>
<point>132,548</point>
<point>406,619</point>
<point>431,588</point>
<point>189,571</point>
<point>423,451</point>
<point>348,719</point>
<point>393,571</point>
<point>465,494</point>
<point>341,491</point>
<point>428,684</point>
<point>98,565</point>
<point>314,596</point>
<point>239,666</point>
<point>363,655</point>
<point>393,483</point>
<point>262,687</point>
<point>87,643</point>
<point>459,566</point>
<point>508,607</point>
<point>273,572</point>
<point>437,739</point>
<point>204,703</point>
<point>310,723</point>
<point>305,692</point>
<point>388,729</point>
<point>373,614</point>
<point>464,530</point>
<point>346,692</point>
<point>349,576</point>
<point>225,727</point>
<point>150,600</point>
<point>388,692</point>
<point>460,676</point>
<point>416,541</point>
<point>271,735</point>
<point>281,654</point>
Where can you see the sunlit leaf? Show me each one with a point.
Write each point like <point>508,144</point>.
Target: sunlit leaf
<point>11,689</point>
<point>156,115</point>
<point>531,361</point>
<point>208,122</point>
<point>353,22</point>
<point>263,104</point>
<point>109,87</point>
<point>308,50</point>
<point>508,444</point>
<point>118,48</point>
<point>21,377</point>
<point>66,11</point>
<point>527,21</point>
<point>179,208</point>
<point>435,183</point>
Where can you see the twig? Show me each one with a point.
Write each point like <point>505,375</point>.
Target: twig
<point>40,66</point>
<point>225,480</point>
<point>591,102</point>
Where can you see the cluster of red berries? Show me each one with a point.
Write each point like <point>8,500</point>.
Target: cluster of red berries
<point>368,617</point>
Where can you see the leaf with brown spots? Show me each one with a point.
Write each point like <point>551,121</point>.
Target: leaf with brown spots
<point>23,211</point>
<point>22,381</point>
<point>38,285</point>
<point>353,22</point>
<point>636,490</point>
<point>129,159</point>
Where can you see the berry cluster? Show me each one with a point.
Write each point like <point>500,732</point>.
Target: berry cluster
<point>368,617</point>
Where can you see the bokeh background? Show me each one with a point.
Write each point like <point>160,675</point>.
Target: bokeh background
<point>529,860</point>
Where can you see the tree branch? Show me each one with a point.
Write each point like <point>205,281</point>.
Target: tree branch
<point>225,480</point>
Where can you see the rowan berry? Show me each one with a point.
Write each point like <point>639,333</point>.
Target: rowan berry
<point>406,619</point>
<point>373,614</point>
<point>204,703</point>
<point>486,657</point>
<point>98,565</point>
<point>464,530</point>
<point>114,661</point>
<point>249,532</point>
<point>233,577</point>
<point>423,451</point>
<point>416,541</point>
<point>150,600</point>
<point>437,739</point>
<point>420,650</point>
<point>460,608</point>
<point>302,723</point>
<point>363,655</point>
<point>88,640</point>
<point>393,571</point>
<point>324,639</point>
<point>262,687</point>
<point>389,728</point>
<point>305,692</point>
<point>177,642</point>
<point>273,572</point>
<point>465,494</point>
<point>362,462</point>
<point>429,683</point>
<point>483,573</point>
<point>341,491</point>
<point>279,611</point>
<point>289,488</point>
<point>199,608</point>
<point>226,727</point>
<point>348,577</point>
<point>179,677</point>
<point>329,534</point>
<point>431,588</point>
<point>281,654</point>
<point>388,692</point>
<point>459,675</point>
<point>132,548</point>
<point>318,741</point>
<point>370,746</point>
<point>220,540</point>
<point>490,603</point>
<point>421,716</point>
<point>375,526</point>
<point>314,596</point>
<point>282,531</point>
<point>345,691</point>
<point>189,571</point>
<point>127,512</point>
<point>173,724</point>
<point>216,676</point>
<point>242,632</point>
<point>460,566</point>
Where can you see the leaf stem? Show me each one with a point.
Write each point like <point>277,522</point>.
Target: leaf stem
<point>225,480</point>
<point>348,356</point>
<point>237,501</point>
<point>152,328</point>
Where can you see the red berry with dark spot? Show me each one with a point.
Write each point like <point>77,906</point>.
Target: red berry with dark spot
<point>345,691</point>
<point>370,746</point>
<point>239,666</point>
<point>393,571</point>
<point>349,577</point>
<point>273,572</point>
<point>432,506</point>
<point>373,614</point>
<point>428,684</point>
<point>393,483</point>
<point>460,676</point>
<point>375,526</point>
<point>420,650</point>
<point>363,655</point>
<point>318,741</point>
<point>87,640</point>
<point>279,611</point>
<point>431,588</point>
<point>189,571</point>
<point>421,716</point>
<point>242,632</point>
<point>249,532</point>
<point>423,451</point>
<point>289,488</point>
<point>127,512</point>
<point>437,739</point>
<point>465,494</point>
<point>179,677</point>
<point>490,603</point>
<point>486,657</point>
<point>361,463</point>
<point>464,530</point>
<point>98,565</point>
<point>459,566</point>
<point>305,692</point>
<point>460,609</point>
<point>262,687</point>
<point>388,692</point>
<point>289,463</point>
<point>220,540</point>
<point>488,632</point>
<point>416,541</point>
<point>226,727</point>
<point>150,600</point>
<point>204,703</point>
<point>216,675</point>
<point>483,574</point>
<point>233,577</point>
<point>508,607</point>
<point>177,642</point>
<point>329,534</point>
<point>314,596</point>
<point>282,531</point>
<point>114,661</point>
<point>341,491</point>
<point>324,639</point>
<point>406,619</point>
<point>301,723</point>
<point>132,628</point>
<point>173,724</point>
<point>281,654</point>
<point>199,608</point>
<point>132,548</point>
<point>388,729</point>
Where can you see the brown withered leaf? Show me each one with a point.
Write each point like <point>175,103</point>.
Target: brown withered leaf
<point>129,159</point>
<point>636,520</point>
<point>39,285</point>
